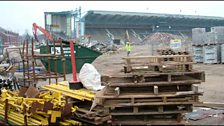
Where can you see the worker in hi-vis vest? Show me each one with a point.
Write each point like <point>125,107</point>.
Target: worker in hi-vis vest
<point>128,48</point>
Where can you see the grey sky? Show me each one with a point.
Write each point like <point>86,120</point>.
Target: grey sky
<point>19,16</point>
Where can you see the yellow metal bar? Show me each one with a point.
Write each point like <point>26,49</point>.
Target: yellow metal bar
<point>73,122</point>
<point>44,121</point>
<point>33,99</point>
<point>12,121</point>
<point>65,93</point>
<point>40,117</point>
<point>54,115</point>
<point>5,93</point>
<point>65,123</point>
<point>20,119</point>
<point>77,94</point>
<point>43,113</point>
<point>15,105</point>
<point>34,121</point>
<point>44,94</point>
<point>14,93</point>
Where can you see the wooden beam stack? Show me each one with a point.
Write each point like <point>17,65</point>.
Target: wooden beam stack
<point>149,96</point>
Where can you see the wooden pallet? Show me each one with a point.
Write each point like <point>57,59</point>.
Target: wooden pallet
<point>157,59</point>
<point>154,78</point>
<point>159,63</point>
<point>168,66</point>
<point>151,110</point>
<point>152,89</point>
<point>90,117</point>
<point>167,119</point>
<point>151,123</point>
<point>141,100</point>
<point>169,51</point>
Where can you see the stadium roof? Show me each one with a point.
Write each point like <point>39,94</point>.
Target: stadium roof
<point>96,17</point>
<point>62,13</point>
<point>122,13</point>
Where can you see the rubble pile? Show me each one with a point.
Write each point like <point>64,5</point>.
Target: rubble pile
<point>163,38</point>
<point>160,37</point>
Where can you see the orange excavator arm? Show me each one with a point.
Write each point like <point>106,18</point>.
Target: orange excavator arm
<point>45,32</point>
<point>49,35</point>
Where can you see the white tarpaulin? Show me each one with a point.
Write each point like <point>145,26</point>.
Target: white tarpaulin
<point>90,77</point>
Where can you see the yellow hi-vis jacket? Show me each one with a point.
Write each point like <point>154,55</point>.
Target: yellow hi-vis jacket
<point>128,47</point>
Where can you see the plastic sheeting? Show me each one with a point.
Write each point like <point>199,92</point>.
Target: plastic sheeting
<point>90,77</point>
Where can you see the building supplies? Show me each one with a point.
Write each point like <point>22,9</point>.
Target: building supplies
<point>151,96</point>
<point>40,108</point>
<point>83,100</point>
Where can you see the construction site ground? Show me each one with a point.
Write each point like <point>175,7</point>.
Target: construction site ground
<point>111,63</point>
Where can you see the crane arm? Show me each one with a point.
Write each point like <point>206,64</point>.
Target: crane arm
<point>49,35</point>
<point>45,32</point>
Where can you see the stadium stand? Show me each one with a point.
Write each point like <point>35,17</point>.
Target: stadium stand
<point>99,24</point>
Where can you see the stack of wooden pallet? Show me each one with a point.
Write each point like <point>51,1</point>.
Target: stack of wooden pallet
<point>151,95</point>
<point>169,51</point>
<point>161,63</point>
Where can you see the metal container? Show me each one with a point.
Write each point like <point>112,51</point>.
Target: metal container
<point>212,53</point>
<point>222,53</point>
<point>197,54</point>
<point>82,55</point>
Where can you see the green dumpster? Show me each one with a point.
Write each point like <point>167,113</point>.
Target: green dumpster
<point>82,55</point>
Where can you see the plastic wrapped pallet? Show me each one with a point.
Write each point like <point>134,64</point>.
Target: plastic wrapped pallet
<point>198,35</point>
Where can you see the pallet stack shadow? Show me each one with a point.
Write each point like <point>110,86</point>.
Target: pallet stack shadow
<point>151,90</point>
